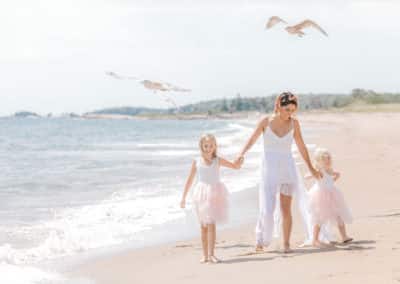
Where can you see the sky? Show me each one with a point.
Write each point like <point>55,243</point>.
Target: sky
<point>54,54</point>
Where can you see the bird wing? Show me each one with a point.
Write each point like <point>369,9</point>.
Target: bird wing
<point>274,20</point>
<point>307,24</point>
<point>153,85</point>
<point>120,77</point>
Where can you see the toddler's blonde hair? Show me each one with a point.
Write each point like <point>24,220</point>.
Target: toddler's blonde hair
<point>208,137</point>
<point>319,155</point>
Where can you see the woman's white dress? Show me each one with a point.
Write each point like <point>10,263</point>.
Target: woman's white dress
<point>279,174</point>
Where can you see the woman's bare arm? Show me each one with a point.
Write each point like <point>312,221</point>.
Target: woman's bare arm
<point>303,149</point>
<point>253,138</point>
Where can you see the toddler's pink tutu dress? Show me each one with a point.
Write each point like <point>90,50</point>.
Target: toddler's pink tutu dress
<point>327,204</point>
<point>210,195</point>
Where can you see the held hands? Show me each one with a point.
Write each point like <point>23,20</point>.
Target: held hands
<point>183,203</point>
<point>336,175</point>
<point>239,162</point>
<point>315,173</point>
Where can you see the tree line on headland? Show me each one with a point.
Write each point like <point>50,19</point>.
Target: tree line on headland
<point>264,104</point>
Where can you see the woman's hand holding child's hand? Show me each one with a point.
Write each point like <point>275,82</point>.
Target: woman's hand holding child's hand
<point>315,173</point>
<point>239,162</point>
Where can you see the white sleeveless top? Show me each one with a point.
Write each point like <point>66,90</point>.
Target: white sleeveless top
<point>279,166</point>
<point>275,144</point>
<point>208,174</point>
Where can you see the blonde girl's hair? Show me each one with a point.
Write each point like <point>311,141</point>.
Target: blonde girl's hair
<point>208,137</point>
<point>285,99</point>
<point>319,155</point>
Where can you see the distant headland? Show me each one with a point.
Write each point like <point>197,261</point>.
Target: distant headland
<point>357,100</point>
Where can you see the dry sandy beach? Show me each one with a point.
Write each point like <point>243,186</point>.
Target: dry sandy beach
<point>365,151</point>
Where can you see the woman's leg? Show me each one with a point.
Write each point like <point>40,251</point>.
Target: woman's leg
<point>286,209</point>
<point>204,242</point>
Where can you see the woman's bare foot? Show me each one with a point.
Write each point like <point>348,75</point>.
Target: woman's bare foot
<point>286,248</point>
<point>204,259</point>
<point>259,248</point>
<point>214,259</point>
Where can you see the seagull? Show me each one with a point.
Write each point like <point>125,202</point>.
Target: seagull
<point>155,86</point>
<point>298,29</point>
<point>274,20</point>
<point>149,84</point>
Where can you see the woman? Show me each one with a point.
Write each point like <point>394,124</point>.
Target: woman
<point>279,172</point>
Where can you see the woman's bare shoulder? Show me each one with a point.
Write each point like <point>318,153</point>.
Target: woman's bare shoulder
<point>264,121</point>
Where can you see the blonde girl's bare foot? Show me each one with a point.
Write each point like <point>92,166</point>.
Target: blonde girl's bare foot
<point>214,259</point>
<point>304,245</point>
<point>204,260</point>
<point>318,244</point>
<point>347,240</point>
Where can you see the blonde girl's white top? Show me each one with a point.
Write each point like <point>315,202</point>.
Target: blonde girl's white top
<point>208,174</point>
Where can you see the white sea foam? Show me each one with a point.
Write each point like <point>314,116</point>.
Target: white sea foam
<point>13,274</point>
<point>111,222</point>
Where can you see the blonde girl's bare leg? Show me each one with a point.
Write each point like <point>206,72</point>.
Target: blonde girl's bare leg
<point>343,233</point>
<point>211,243</point>
<point>316,231</point>
<point>316,242</point>
<point>204,243</point>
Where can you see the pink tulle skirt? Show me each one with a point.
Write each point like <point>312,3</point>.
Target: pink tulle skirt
<point>327,206</point>
<point>211,203</point>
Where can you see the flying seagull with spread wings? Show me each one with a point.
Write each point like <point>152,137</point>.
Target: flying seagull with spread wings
<point>295,29</point>
<point>151,85</point>
<point>155,86</point>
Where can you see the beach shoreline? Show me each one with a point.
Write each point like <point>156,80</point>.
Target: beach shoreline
<point>364,150</point>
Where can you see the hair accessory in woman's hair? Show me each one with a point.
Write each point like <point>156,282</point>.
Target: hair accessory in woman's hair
<point>288,98</point>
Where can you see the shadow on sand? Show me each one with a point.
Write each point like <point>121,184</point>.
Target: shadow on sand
<point>253,256</point>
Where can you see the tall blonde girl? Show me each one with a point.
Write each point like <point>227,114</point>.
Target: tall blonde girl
<point>210,196</point>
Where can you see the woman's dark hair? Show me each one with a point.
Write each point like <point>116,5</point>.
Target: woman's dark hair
<point>284,99</point>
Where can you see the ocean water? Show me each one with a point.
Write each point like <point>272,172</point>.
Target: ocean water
<point>71,186</point>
